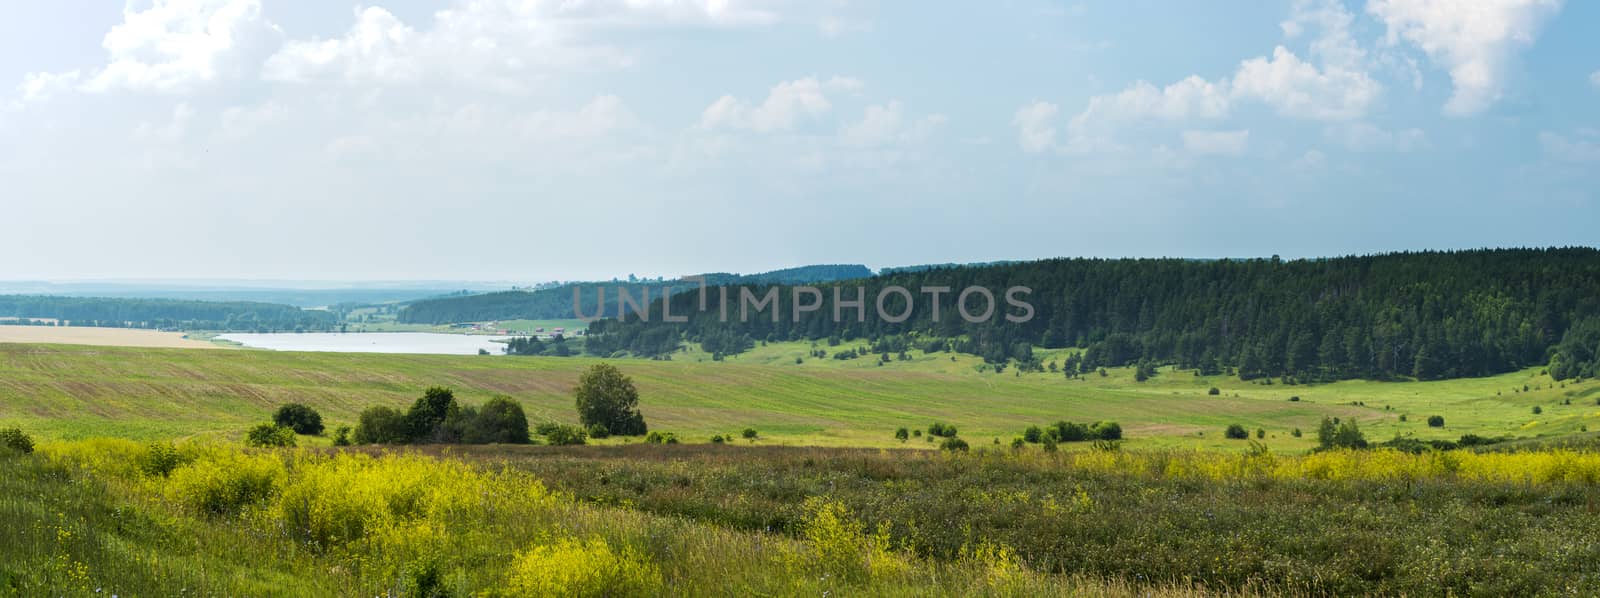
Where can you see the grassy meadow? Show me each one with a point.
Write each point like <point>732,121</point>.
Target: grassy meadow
<point>69,392</point>
<point>140,485</point>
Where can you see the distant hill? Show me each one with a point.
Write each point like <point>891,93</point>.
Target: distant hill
<point>556,302</point>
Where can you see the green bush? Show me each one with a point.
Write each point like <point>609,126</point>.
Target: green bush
<point>717,439</point>
<point>269,435</point>
<point>341,436</point>
<point>952,443</point>
<point>1436,421</point>
<point>661,438</point>
<point>1214,391</point>
<point>1104,430</point>
<point>599,431</point>
<point>545,428</point>
<point>1236,432</point>
<point>942,430</point>
<point>15,439</point>
<point>1049,444</point>
<point>381,425</point>
<point>749,434</point>
<point>566,435</point>
<point>300,418</point>
<point>902,434</point>
<point>426,420</point>
<point>1295,433</point>
<point>159,459</point>
<point>1537,410</point>
<point>1032,435</point>
<point>1260,433</point>
<point>499,421</point>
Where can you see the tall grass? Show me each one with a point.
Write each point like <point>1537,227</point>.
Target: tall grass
<point>91,516</point>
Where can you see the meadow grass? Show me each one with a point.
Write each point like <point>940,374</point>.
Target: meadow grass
<point>66,391</point>
<point>105,517</point>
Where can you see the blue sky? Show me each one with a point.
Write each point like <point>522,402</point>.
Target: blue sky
<point>535,140</point>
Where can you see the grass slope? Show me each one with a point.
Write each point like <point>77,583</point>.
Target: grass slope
<point>65,391</point>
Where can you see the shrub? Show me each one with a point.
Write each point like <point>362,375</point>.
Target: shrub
<point>15,439</point>
<point>300,418</point>
<point>1214,391</point>
<point>1018,442</point>
<point>500,421</point>
<point>1436,421</point>
<point>159,459</point>
<point>545,428</point>
<point>1106,431</point>
<point>1236,432</point>
<point>269,435</point>
<point>1260,433</point>
<point>942,430</point>
<point>953,444</point>
<point>566,435</point>
<point>583,569</point>
<point>749,434</point>
<point>605,396</point>
<point>1537,410</point>
<point>902,434</point>
<point>1071,432</point>
<point>341,436</point>
<point>226,482</point>
<point>1032,435</point>
<point>1295,433</point>
<point>1294,399</point>
<point>1049,444</point>
<point>717,439</point>
<point>381,425</point>
<point>599,431</point>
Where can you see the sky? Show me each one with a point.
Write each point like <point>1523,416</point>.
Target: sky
<point>531,140</point>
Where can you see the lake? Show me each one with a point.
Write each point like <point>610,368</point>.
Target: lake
<point>371,342</point>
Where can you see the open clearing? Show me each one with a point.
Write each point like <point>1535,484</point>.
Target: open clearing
<point>104,337</point>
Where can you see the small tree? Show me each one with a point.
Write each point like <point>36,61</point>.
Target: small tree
<point>1214,391</point>
<point>605,396</point>
<point>425,421</point>
<point>1236,432</point>
<point>1106,431</point>
<point>300,418</point>
<point>902,434</point>
<point>749,434</point>
<point>1436,421</point>
<point>953,444</point>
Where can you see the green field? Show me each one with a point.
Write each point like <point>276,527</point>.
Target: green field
<point>63,391</point>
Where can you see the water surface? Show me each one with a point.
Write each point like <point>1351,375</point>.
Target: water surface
<point>370,342</point>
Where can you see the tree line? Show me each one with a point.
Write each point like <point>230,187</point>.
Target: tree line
<point>1428,315</point>
<point>116,312</point>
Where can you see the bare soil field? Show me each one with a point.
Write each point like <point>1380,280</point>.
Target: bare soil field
<point>105,337</point>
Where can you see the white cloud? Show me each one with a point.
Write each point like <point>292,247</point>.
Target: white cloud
<point>376,48</point>
<point>175,44</point>
<point>1193,97</point>
<point>1224,143</point>
<point>1311,160</point>
<point>887,124</point>
<point>1474,39</point>
<point>1361,136</point>
<point>786,105</point>
<point>1581,149</point>
<point>1594,79</point>
<point>1036,127</point>
<point>1299,89</point>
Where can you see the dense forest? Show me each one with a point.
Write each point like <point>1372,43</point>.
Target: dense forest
<point>1426,315</point>
<point>241,316</point>
<point>556,302</point>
